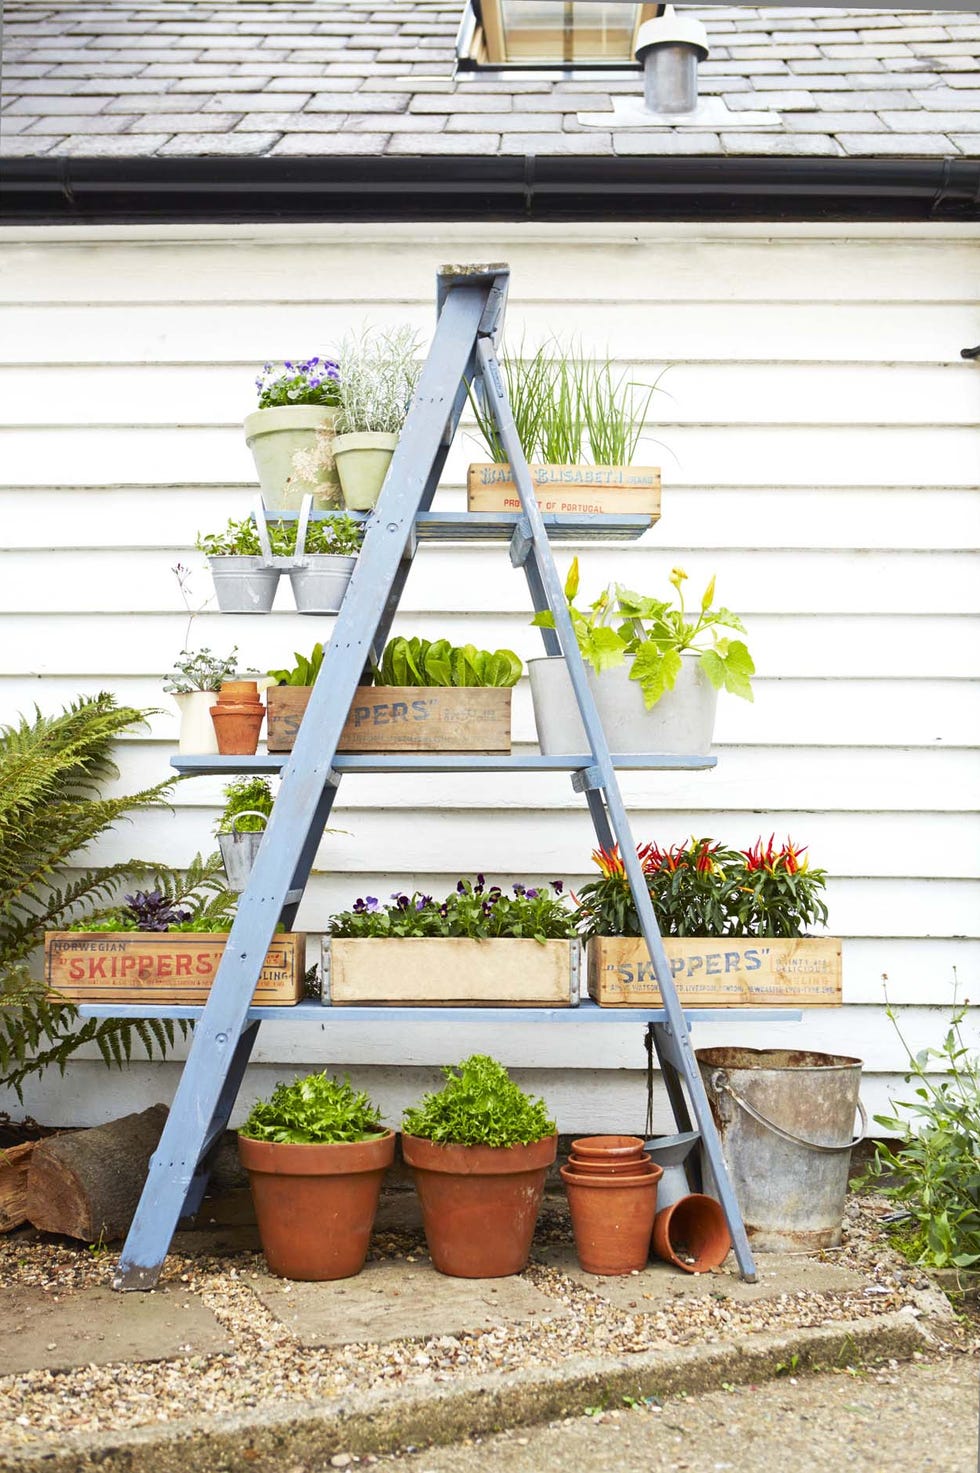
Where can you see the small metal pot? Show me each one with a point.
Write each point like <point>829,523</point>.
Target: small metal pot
<point>238,850</point>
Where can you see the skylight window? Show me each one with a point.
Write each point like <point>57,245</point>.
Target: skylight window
<point>552,32</point>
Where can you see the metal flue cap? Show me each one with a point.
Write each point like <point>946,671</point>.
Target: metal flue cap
<point>671,29</point>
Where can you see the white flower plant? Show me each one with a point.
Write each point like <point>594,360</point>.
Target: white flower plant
<point>379,371</point>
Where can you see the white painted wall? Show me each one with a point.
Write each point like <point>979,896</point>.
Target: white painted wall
<point>820,454</point>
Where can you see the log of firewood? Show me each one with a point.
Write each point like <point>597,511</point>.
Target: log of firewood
<point>87,1184</point>
<point>13,1185</point>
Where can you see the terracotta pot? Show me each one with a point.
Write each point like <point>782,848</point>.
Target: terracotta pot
<point>237,716</point>
<point>612,1219</point>
<point>586,1166</point>
<point>315,1205</point>
<point>692,1234</point>
<point>479,1203</point>
<point>609,1147</point>
<point>235,692</point>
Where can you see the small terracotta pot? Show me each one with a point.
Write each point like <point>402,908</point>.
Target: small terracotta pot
<point>609,1147</point>
<point>237,717</point>
<point>692,1234</point>
<point>612,1219</point>
<point>479,1203</point>
<point>315,1205</point>
<point>237,692</point>
<point>583,1166</point>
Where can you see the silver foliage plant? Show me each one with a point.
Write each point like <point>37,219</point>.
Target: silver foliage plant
<point>379,371</point>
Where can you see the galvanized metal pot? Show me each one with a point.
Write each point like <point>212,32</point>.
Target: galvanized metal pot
<point>785,1119</point>
<point>238,850</point>
<point>244,585</point>
<point>320,581</point>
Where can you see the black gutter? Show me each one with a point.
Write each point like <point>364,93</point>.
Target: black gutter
<point>101,191</point>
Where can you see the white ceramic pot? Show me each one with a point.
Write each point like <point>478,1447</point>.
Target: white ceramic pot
<point>276,436</point>
<point>362,463</point>
<point>196,727</point>
<point>681,722</point>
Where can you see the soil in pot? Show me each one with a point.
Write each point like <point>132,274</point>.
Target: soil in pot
<point>479,1203</point>
<point>612,1219</point>
<point>315,1204</point>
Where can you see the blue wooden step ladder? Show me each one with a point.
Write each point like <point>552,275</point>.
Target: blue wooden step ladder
<point>470,302</point>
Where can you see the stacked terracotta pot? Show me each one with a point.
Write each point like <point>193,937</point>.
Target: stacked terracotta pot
<point>612,1194</point>
<point>237,717</point>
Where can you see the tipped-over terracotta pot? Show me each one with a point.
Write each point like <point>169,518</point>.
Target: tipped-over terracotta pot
<point>315,1204</point>
<point>479,1203</point>
<point>612,1219</point>
<point>692,1234</point>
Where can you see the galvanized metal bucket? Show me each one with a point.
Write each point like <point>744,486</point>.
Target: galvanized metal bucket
<point>785,1119</point>
<point>238,850</point>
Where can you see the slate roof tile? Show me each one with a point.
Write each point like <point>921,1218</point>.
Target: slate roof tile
<point>274,77</point>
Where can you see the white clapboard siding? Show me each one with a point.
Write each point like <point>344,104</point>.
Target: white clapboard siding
<point>688,392</point>
<point>818,437</point>
<point>690,455</point>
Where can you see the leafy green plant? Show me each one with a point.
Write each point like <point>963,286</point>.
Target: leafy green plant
<point>305,671</point>
<point>703,889</point>
<point>423,662</point>
<point>313,381</point>
<point>935,1173</point>
<point>473,909</point>
<point>200,670</point>
<point>317,1110</point>
<point>239,539</point>
<point>379,370</point>
<point>569,408</point>
<point>655,633</point>
<point>195,899</point>
<point>338,535</point>
<point>53,770</point>
<point>246,795</point>
<point>479,1105</point>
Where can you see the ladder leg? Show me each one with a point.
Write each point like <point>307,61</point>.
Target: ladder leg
<point>220,1118</point>
<point>308,783</point>
<point>171,1184</point>
<point>547,592</point>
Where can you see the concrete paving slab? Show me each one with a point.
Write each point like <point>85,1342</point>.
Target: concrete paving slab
<point>396,1300</point>
<point>97,1325</point>
<point>644,1292</point>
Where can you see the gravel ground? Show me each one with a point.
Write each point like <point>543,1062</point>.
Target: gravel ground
<point>268,1367</point>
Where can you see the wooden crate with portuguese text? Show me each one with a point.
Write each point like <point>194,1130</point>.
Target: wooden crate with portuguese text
<point>724,972</point>
<point>165,966</point>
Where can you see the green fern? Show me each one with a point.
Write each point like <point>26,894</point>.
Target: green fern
<point>52,773</point>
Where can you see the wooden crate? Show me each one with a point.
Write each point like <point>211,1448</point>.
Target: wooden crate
<point>726,972</point>
<point>394,718</point>
<point>450,971</point>
<point>575,490</point>
<point>169,967</point>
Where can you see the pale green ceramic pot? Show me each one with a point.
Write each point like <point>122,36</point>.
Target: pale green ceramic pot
<point>276,437</point>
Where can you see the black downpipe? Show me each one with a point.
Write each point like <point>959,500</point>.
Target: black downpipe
<point>218,190</point>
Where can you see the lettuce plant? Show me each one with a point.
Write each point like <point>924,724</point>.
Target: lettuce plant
<point>479,1105</point>
<point>317,1110</point>
<point>423,662</point>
